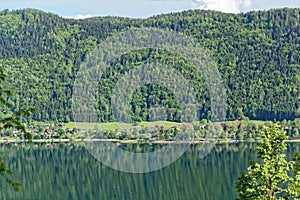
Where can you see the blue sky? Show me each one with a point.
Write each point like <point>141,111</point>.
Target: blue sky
<point>142,8</point>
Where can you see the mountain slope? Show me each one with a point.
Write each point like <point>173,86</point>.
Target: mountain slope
<point>258,56</point>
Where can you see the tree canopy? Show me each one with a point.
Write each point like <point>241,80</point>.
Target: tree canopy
<point>267,179</point>
<point>12,120</point>
<point>257,54</point>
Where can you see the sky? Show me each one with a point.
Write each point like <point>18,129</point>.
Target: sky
<point>142,8</point>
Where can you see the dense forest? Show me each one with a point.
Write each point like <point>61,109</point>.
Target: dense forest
<point>257,54</point>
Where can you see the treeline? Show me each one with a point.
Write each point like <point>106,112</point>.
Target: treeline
<point>243,129</point>
<point>239,130</point>
<point>257,53</point>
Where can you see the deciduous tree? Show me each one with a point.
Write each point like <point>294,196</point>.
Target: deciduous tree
<point>266,179</point>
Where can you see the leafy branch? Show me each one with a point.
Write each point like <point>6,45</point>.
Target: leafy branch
<point>11,121</point>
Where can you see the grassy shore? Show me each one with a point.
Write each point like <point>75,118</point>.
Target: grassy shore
<point>83,127</point>
<point>117,125</point>
<point>121,126</point>
<point>196,141</point>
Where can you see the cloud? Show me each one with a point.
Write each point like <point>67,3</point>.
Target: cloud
<point>228,6</point>
<point>79,16</point>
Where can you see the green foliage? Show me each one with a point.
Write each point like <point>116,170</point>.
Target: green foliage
<point>294,185</point>
<point>5,171</point>
<point>10,121</point>
<point>265,180</point>
<point>257,54</point>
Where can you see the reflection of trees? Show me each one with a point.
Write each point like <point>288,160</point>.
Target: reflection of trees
<point>69,172</point>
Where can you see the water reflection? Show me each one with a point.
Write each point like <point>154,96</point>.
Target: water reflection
<point>68,171</point>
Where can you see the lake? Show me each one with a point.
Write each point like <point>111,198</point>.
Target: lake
<point>68,171</point>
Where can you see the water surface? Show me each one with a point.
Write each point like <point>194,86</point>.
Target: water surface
<point>68,171</point>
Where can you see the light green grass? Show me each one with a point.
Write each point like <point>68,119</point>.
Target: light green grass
<point>100,126</point>
<point>166,124</point>
<point>121,126</point>
<point>117,125</point>
<point>81,125</point>
<point>258,122</point>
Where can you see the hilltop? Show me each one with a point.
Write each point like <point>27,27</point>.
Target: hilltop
<point>257,53</point>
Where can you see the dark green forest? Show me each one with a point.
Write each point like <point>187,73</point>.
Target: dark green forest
<point>257,54</point>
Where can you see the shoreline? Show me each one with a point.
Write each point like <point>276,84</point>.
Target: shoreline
<point>130,141</point>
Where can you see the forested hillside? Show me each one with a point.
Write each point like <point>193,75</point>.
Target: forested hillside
<point>258,56</point>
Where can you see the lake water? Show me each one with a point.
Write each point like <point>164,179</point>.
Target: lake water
<point>68,171</point>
